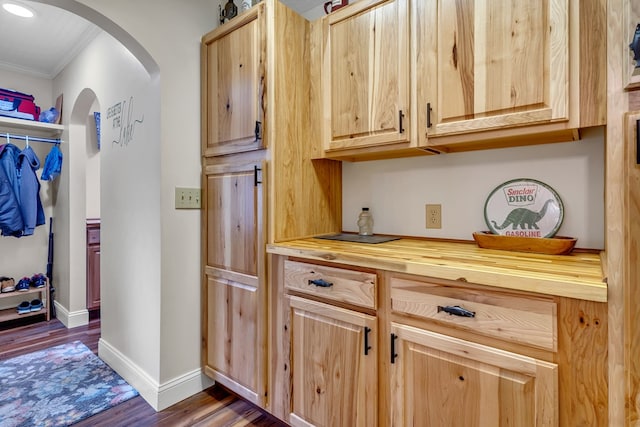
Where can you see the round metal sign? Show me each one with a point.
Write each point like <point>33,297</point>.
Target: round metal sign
<point>524,208</point>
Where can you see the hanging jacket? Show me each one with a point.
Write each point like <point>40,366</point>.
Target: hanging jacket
<point>52,164</point>
<point>11,223</point>
<point>29,198</point>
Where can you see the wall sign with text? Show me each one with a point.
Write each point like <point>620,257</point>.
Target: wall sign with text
<point>524,208</point>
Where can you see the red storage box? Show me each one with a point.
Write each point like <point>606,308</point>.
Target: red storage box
<point>19,105</point>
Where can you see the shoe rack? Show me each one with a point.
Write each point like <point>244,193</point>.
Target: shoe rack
<point>11,313</point>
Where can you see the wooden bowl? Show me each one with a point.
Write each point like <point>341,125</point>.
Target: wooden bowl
<point>558,245</point>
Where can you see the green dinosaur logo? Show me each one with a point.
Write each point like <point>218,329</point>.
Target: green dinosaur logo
<point>523,217</point>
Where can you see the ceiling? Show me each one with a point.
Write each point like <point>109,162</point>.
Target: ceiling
<point>42,46</point>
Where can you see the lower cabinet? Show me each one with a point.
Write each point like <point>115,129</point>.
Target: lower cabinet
<point>405,350</point>
<point>334,366</point>
<point>233,353</point>
<point>234,297</point>
<point>438,380</point>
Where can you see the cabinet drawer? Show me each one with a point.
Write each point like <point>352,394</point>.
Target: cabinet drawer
<point>93,236</point>
<point>336,284</point>
<point>526,320</point>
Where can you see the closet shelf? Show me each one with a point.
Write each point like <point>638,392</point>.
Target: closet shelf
<point>20,293</point>
<point>32,128</point>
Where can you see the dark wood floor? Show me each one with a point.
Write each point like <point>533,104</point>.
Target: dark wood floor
<point>212,407</point>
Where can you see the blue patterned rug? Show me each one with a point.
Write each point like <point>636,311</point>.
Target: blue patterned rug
<point>58,386</point>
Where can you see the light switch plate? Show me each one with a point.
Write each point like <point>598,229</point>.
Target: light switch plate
<point>188,198</point>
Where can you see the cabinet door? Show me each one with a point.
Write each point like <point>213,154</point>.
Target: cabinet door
<point>365,75</point>
<point>233,71</point>
<point>235,315</point>
<point>489,64</point>
<point>333,369</point>
<point>438,380</point>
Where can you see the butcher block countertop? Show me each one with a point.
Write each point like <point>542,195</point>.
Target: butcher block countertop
<point>578,275</point>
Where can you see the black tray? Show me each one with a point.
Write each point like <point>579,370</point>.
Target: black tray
<point>346,237</point>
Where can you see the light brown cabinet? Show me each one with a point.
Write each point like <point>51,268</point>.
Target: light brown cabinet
<point>495,74</point>
<point>414,77</point>
<point>233,322</point>
<point>365,77</point>
<point>521,358</point>
<point>233,59</point>
<point>93,265</point>
<point>490,65</point>
<point>333,364</point>
<point>257,187</point>
<point>439,380</point>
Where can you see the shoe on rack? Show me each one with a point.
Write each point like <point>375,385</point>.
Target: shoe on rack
<point>24,307</point>
<point>23,284</point>
<point>38,280</point>
<point>7,284</point>
<point>35,305</point>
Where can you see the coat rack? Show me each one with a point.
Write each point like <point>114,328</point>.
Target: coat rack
<point>31,138</point>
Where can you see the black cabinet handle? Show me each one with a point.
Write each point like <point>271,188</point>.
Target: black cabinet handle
<point>401,117</point>
<point>638,140</point>
<point>320,283</point>
<point>258,130</point>
<point>256,181</point>
<point>428,115</point>
<point>456,310</point>
<point>394,337</point>
<point>367,347</point>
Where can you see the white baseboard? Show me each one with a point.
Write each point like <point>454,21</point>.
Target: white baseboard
<point>71,319</point>
<point>159,396</point>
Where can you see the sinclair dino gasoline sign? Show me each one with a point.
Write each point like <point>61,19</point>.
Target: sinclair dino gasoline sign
<point>524,208</point>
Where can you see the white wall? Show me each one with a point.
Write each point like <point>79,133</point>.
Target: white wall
<point>93,165</point>
<point>150,267</point>
<point>396,191</point>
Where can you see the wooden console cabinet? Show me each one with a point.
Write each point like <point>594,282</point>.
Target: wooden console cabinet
<point>93,264</point>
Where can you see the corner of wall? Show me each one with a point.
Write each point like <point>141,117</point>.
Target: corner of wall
<point>159,396</point>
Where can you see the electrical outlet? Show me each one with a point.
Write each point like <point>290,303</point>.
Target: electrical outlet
<point>434,216</point>
<point>187,198</point>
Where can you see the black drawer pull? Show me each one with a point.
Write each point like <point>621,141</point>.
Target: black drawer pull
<point>456,310</point>
<point>320,283</point>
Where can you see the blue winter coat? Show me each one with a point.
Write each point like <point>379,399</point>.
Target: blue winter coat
<point>11,223</point>
<point>30,203</point>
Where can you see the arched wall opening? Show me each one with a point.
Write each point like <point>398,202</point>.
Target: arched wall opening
<point>150,144</point>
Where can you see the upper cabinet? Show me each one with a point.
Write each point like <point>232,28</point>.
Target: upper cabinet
<point>408,77</point>
<point>485,65</point>
<point>233,96</point>
<point>507,73</point>
<point>365,76</point>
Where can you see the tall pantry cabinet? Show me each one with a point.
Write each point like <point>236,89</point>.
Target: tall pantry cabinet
<point>259,183</point>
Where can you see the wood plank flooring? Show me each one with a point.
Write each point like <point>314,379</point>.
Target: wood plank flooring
<point>212,407</point>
